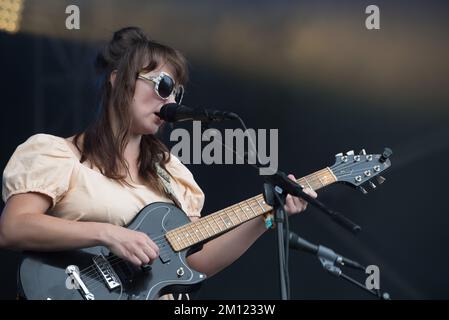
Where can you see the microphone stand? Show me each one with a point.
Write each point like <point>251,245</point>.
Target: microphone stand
<point>276,188</point>
<point>274,196</point>
<point>328,258</point>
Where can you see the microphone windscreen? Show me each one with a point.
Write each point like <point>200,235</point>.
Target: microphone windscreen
<point>168,112</point>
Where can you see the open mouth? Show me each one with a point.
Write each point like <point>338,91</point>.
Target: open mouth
<point>158,116</point>
<point>159,120</point>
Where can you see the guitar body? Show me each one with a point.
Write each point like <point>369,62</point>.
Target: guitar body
<point>44,276</point>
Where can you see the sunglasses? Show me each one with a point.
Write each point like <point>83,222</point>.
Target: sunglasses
<point>165,86</point>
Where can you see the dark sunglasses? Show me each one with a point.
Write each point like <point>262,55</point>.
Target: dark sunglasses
<point>165,86</point>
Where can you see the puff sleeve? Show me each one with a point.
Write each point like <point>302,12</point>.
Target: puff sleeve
<point>43,164</point>
<point>187,191</point>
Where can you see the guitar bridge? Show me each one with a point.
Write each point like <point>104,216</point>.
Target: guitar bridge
<point>107,273</point>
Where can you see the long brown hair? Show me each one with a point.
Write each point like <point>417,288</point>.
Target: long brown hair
<point>129,52</point>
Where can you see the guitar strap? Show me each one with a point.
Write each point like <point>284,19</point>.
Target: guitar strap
<point>164,177</point>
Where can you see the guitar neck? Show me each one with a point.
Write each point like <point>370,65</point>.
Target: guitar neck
<point>222,221</point>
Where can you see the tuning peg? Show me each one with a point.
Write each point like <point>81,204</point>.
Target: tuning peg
<point>385,155</point>
<point>372,185</point>
<point>339,154</point>
<point>380,179</point>
<point>363,190</point>
<point>350,153</point>
<point>362,152</point>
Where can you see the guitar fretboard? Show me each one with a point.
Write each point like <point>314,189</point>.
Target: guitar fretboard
<point>231,217</point>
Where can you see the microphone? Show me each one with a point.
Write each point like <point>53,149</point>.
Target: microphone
<point>173,112</point>
<point>298,243</point>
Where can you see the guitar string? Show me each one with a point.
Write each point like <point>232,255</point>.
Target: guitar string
<point>159,240</point>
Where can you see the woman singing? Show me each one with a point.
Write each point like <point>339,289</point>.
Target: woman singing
<point>69,193</point>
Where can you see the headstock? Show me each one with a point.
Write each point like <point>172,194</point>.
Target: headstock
<point>359,170</point>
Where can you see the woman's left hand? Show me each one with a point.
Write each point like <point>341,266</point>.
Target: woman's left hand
<point>294,204</point>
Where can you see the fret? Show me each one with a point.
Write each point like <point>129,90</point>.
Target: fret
<point>205,224</point>
<point>252,209</point>
<point>307,181</point>
<point>243,211</point>
<point>320,178</point>
<point>203,228</point>
<point>212,223</point>
<point>260,209</point>
<point>235,213</point>
<point>217,220</point>
<point>328,176</point>
<point>190,237</point>
<point>231,217</point>
<point>221,220</point>
<point>266,207</point>
<point>195,232</point>
<point>332,175</point>
<point>198,225</point>
<point>243,217</point>
<point>172,239</point>
<point>182,240</point>
<point>263,210</point>
<point>224,222</point>
<point>322,184</point>
<point>185,239</point>
<point>179,238</point>
<point>186,236</point>
<point>313,180</point>
<point>191,233</point>
<point>228,220</point>
<point>323,179</point>
<point>313,183</point>
<point>212,217</point>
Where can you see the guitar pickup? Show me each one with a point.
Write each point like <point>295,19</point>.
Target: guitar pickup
<point>107,273</point>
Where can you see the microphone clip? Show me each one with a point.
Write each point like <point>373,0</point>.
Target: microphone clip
<point>328,258</point>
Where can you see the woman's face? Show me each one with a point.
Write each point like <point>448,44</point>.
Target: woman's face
<point>147,103</point>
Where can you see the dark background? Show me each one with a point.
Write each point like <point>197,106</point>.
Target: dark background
<point>311,70</point>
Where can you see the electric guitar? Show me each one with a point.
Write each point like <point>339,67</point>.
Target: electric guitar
<point>95,273</point>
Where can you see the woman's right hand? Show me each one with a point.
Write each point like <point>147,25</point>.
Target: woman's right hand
<point>133,246</point>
